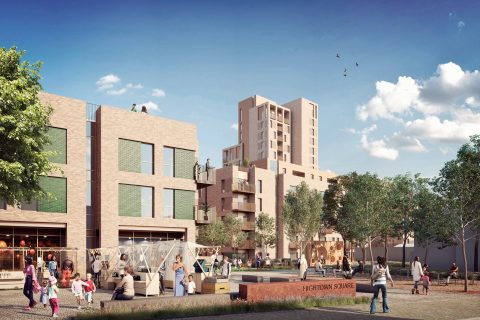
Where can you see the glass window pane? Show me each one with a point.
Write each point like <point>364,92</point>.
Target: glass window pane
<point>147,168</point>
<point>167,203</point>
<point>147,201</point>
<point>168,162</point>
<point>147,152</point>
<point>89,193</point>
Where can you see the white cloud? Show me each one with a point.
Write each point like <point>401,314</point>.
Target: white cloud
<point>107,82</point>
<point>441,109</point>
<point>407,143</point>
<point>378,148</point>
<point>151,106</point>
<point>116,92</point>
<point>234,126</point>
<point>461,25</point>
<point>134,86</point>
<point>158,93</point>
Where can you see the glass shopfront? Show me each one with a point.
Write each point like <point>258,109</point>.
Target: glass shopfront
<point>127,238</point>
<point>18,242</point>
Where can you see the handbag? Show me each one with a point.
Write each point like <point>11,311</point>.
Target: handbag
<point>36,286</point>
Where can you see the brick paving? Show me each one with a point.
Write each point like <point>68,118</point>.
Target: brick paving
<point>443,303</point>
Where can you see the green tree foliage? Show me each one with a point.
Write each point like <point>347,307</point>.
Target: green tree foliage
<point>233,230</point>
<point>404,200</point>
<point>302,215</point>
<point>23,126</point>
<point>458,185</point>
<point>363,208</point>
<point>265,232</point>
<point>213,234</point>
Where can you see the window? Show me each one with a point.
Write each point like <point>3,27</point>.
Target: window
<point>284,170</point>
<point>313,150</point>
<point>135,201</point>
<point>313,132</point>
<point>284,157</point>
<point>274,155</point>
<point>285,138</point>
<point>184,162</point>
<point>312,176</point>
<point>274,134</point>
<point>321,179</point>
<point>288,129</point>
<point>313,122</point>
<point>147,158</point>
<point>223,185</point>
<point>134,156</point>
<point>184,204</point>
<point>57,145</point>
<point>271,144</point>
<point>288,148</point>
<point>223,204</point>
<point>313,141</point>
<point>260,204</point>
<point>313,160</point>
<point>57,187</point>
<point>271,124</point>
<point>168,162</point>
<point>168,203</point>
<point>259,186</point>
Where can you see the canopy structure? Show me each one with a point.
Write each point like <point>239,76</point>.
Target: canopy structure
<point>151,258</point>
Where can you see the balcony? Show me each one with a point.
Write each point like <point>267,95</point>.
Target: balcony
<point>242,186</point>
<point>272,115</point>
<point>248,225</point>
<point>280,147</point>
<point>204,176</point>
<point>205,217</point>
<point>243,206</point>
<point>247,245</point>
<point>286,120</point>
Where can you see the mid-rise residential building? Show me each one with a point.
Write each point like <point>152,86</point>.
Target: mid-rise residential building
<point>277,150</point>
<point>126,178</point>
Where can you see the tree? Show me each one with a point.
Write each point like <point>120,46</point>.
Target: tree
<point>213,234</point>
<point>302,215</point>
<point>233,231</point>
<point>458,185</point>
<point>265,233</point>
<point>403,196</point>
<point>428,220</point>
<point>362,207</point>
<point>24,124</point>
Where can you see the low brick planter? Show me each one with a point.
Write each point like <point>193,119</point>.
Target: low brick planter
<point>256,292</point>
<point>158,303</point>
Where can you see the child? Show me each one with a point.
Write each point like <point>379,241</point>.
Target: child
<point>44,293</point>
<point>89,290</point>
<point>77,289</point>
<point>52,296</point>
<point>426,282</point>
<point>191,285</point>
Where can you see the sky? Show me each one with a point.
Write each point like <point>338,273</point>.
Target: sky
<point>411,102</point>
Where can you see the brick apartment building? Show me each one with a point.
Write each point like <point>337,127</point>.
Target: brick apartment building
<point>277,149</point>
<point>127,178</point>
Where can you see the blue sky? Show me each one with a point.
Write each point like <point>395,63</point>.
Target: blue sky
<point>205,56</point>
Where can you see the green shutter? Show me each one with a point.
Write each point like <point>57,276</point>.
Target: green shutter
<point>58,144</point>
<point>129,156</point>
<point>184,204</point>
<point>129,200</point>
<point>184,162</point>
<point>57,187</point>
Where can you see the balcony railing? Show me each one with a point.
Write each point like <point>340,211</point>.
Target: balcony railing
<point>204,175</point>
<point>248,225</point>
<point>243,186</point>
<point>286,120</point>
<point>243,206</point>
<point>205,217</point>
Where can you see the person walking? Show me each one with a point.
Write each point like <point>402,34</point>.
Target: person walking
<point>97,270</point>
<point>181,274</point>
<point>380,275</point>
<point>53,267</point>
<point>226,268</point>
<point>417,273</point>
<point>302,271</point>
<point>53,296</point>
<point>30,280</point>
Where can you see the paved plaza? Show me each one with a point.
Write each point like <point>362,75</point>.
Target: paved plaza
<point>441,304</point>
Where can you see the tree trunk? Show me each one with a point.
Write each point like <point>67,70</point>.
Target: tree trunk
<point>386,249</point>
<point>364,254</point>
<point>370,249</point>
<point>404,250</point>
<point>475,253</point>
<point>465,267</point>
<point>426,254</point>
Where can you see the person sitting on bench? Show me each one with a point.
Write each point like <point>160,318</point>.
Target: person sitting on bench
<point>319,268</point>
<point>453,273</point>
